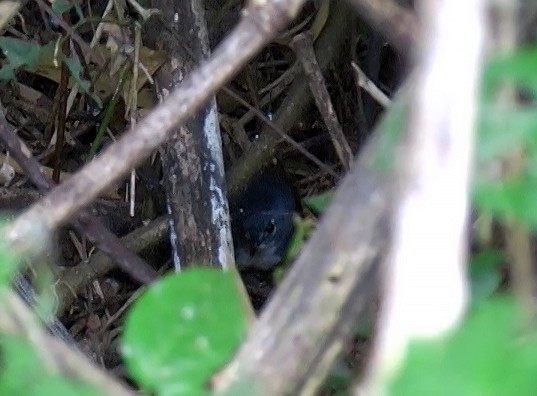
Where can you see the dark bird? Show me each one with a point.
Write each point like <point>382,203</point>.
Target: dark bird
<point>262,222</point>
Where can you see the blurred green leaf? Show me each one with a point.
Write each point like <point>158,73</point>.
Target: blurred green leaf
<point>339,380</point>
<point>485,277</point>
<point>8,265</point>
<point>8,262</point>
<point>303,229</point>
<point>23,373</point>
<point>182,330</point>
<point>516,68</point>
<point>487,356</point>
<point>75,69</point>
<point>20,53</point>
<point>61,6</point>
<point>319,202</point>
<point>503,128</point>
<point>508,199</point>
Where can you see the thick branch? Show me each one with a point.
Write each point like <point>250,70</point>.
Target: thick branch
<point>425,278</point>
<point>192,159</point>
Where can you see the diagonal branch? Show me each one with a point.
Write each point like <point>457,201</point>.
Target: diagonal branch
<point>85,222</point>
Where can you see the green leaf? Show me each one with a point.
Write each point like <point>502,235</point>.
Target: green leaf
<point>182,330</point>
<point>20,53</point>
<point>339,380</point>
<point>8,262</point>
<point>485,274</point>
<point>512,199</point>
<point>22,372</point>
<point>8,265</point>
<point>303,229</point>
<point>487,356</point>
<point>61,6</point>
<point>75,69</point>
<point>503,128</point>
<point>319,202</point>
<point>512,68</point>
<point>7,72</point>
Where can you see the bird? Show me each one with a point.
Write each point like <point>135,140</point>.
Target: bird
<point>262,222</point>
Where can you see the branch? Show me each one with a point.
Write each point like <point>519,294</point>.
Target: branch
<point>425,281</point>
<point>303,46</point>
<point>192,159</point>
<point>73,279</point>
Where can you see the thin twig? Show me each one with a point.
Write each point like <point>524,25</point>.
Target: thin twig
<point>72,280</point>
<point>303,46</point>
<point>370,87</point>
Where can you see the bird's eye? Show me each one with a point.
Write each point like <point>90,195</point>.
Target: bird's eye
<point>270,228</point>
